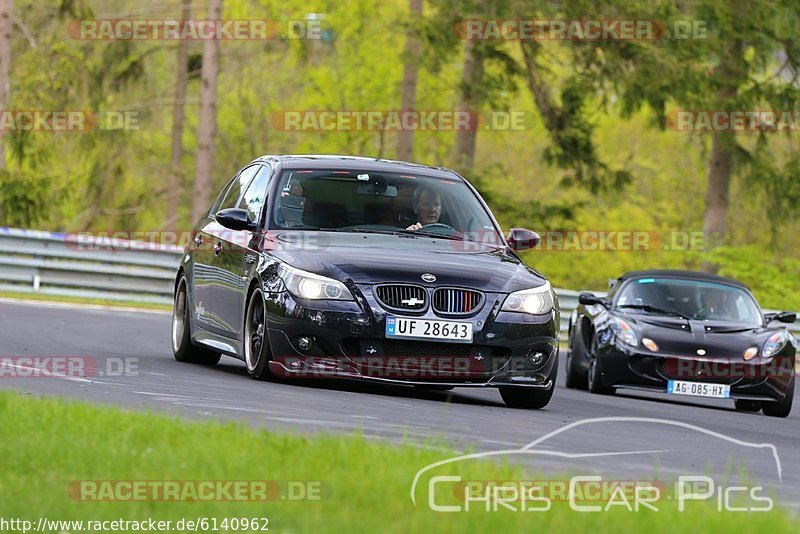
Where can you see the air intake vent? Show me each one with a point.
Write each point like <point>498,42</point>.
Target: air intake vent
<point>402,297</point>
<point>454,301</point>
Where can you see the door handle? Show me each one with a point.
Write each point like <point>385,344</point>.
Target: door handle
<point>217,248</point>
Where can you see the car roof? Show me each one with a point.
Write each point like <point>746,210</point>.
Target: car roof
<point>323,161</point>
<point>675,273</point>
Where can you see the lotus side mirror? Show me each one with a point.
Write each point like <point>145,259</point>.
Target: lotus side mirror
<point>235,219</point>
<point>783,317</point>
<point>522,239</point>
<point>588,299</point>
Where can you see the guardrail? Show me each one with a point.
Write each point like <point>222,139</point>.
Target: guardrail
<point>49,263</point>
<point>57,264</point>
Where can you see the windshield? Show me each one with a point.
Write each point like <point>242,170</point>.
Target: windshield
<point>365,201</point>
<point>692,299</point>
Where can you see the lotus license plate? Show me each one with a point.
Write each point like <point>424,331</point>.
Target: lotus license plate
<point>698,389</point>
<point>453,331</point>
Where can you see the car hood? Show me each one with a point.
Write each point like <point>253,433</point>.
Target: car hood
<point>377,258</point>
<point>678,336</point>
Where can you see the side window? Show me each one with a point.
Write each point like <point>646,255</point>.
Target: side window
<point>238,186</point>
<point>255,196</point>
<point>222,195</point>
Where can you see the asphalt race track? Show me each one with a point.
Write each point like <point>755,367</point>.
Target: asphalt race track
<point>685,441</point>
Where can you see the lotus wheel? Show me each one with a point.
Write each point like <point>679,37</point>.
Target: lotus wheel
<point>781,408</point>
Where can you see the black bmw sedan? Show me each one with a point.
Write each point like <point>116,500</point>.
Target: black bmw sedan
<point>333,266</point>
<point>683,333</point>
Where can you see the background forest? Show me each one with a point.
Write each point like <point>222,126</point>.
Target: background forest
<point>598,150</point>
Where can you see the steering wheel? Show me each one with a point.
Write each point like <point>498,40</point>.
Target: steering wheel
<point>438,225</point>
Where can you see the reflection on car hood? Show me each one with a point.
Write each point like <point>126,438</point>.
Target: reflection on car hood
<point>377,258</point>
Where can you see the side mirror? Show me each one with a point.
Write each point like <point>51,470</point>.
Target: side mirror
<point>783,317</point>
<point>235,219</point>
<point>522,239</point>
<point>588,299</point>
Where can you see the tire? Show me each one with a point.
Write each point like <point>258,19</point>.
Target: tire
<point>182,347</point>
<point>529,398</point>
<point>594,380</point>
<point>747,405</point>
<point>257,354</point>
<point>573,379</point>
<point>781,408</point>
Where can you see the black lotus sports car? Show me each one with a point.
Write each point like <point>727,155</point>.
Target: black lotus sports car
<point>683,333</point>
<point>332,266</point>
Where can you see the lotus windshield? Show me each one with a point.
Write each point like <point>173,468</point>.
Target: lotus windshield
<point>692,299</point>
<point>376,202</point>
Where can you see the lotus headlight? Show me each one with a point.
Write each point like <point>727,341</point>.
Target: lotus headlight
<point>312,286</point>
<point>624,331</point>
<point>774,344</point>
<point>536,301</point>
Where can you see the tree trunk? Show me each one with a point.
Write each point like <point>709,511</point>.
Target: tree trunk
<point>470,100</point>
<point>719,177</point>
<point>208,118</point>
<point>181,80</point>
<point>405,140</point>
<point>6,10</point>
<point>720,168</point>
<point>548,109</point>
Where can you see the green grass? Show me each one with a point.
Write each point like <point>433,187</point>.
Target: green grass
<point>48,443</point>
<point>82,300</point>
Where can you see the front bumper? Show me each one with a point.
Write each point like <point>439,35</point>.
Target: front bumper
<point>348,341</point>
<point>758,379</point>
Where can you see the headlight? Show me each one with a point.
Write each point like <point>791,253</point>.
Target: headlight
<point>774,344</point>
<point>536,301</point>
<point>624,331</point>
<point>312,286</point>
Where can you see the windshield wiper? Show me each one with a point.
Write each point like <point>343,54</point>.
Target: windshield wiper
<point>654,309</point>
<point>403,232</point>
<point>369,231</point>
<point>432,234</point>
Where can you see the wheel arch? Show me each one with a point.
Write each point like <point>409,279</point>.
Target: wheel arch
<point>181,272</point>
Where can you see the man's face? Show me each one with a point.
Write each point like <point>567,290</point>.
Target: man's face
<point>428,208</point>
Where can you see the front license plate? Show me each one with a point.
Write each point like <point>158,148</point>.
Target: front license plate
<point>698,389</point>
<point>453,331</point>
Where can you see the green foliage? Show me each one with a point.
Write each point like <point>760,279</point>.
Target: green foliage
<point>612,164</point>
<point>775,281</point>
<point>23,197</point>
